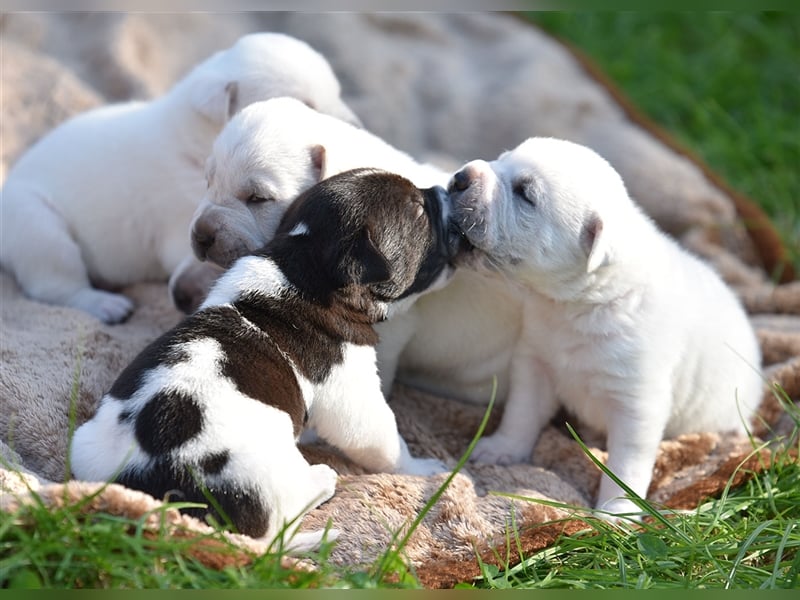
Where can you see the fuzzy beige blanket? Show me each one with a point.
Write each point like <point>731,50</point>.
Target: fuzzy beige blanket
<point>445,88</point>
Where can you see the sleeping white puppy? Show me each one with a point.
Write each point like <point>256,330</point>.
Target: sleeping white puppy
<point>105,199</point>
<point>623,327</point>
<point>452,341</point>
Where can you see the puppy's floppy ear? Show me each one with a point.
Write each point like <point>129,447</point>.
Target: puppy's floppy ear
<point>593,243</point>
<point>375,267</point>
<point>215,98</point>
<point>319,160</point>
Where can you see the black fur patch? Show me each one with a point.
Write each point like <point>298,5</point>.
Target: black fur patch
<point>160,352</point>
<point>168,420</point>
<point>241,506</point>
<point>358,221</point>
<point>213,464</point>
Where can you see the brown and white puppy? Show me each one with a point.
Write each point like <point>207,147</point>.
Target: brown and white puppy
<point>284,340</point>
<point>105,199</point>
<point>620,324</point>
<point>452,342</point>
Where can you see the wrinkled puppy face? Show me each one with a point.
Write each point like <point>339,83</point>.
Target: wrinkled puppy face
<point>536,211</point>
<point>252,179</point>
<point>369,236</point>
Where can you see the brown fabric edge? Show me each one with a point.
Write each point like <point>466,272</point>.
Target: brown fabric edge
<point>444,574</point>
<point>733,473</point>
<point>760,228</point>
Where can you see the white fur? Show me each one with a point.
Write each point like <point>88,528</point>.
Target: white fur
<point>452,341</point>
<point>351,413</point>
<point>626,329</point>
<point>249,274</point>
<point>106,198</point>
<point>299,229</point>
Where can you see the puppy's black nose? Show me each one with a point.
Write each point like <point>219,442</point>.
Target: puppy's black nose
<point>460,181</point>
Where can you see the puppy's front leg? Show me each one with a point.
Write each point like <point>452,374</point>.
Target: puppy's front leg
<point>362,425</point>
<point>635,430</point>
<point>530,406</point>
<point>364,428</point>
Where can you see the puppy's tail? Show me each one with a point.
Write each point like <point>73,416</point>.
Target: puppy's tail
<point>306,541</point>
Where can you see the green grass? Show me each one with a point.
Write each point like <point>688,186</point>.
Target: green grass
<point>64,547</point>
<point>728,87</point>
<point>725,85</point>
<point>747,539</point>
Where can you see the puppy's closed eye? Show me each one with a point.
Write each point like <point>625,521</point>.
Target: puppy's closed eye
<point>257,199</point>
<point>520,188</point>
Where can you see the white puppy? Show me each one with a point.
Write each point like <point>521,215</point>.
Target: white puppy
<point>106,198</point>
<point>453,341</point>
<point>621,326</point>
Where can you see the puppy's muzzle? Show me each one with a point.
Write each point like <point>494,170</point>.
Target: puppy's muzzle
<point>459,183</point>
<point>203,238</point>
<point>450,236</point>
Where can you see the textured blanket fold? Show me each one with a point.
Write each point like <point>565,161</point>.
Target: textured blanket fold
<point>430,85</point>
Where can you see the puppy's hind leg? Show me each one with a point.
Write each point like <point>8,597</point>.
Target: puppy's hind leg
<point>312,486</point>
<point>37,247</point>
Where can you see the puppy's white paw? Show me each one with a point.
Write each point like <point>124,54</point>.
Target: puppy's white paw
<point>499,450</point>
<point>324,479</point>
<point>306,541</point>
<point>619,510</point>
<point>108,307</point>
<point>423,467</point>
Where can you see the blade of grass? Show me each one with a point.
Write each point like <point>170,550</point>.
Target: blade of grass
<point>395,548</point>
